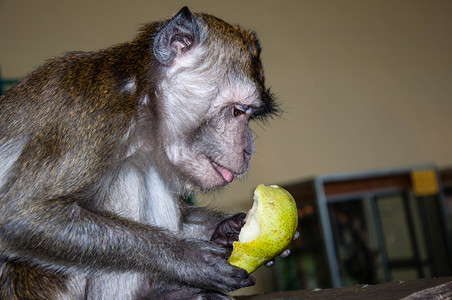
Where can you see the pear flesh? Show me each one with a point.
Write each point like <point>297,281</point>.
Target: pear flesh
<point>269,228</point>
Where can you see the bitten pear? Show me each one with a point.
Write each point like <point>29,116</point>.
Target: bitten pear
<point>270,226</point>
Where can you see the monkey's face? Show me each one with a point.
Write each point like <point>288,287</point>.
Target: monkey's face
<point>210,142</point>
<point>209,92</point>
<point>223,143</point>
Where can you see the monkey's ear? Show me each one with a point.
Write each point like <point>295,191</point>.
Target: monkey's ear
<point>177,36</point>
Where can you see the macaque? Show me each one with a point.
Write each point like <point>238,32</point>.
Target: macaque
<point>98,151</point>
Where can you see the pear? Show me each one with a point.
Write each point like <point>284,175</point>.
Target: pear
<point>270,226</point>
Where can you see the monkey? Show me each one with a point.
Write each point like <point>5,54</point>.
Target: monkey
<point>99,151</point>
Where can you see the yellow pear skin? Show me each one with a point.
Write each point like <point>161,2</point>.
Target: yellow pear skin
<point>270,227</point>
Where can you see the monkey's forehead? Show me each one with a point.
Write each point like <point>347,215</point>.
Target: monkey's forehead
<point>240,46</point>
<point>219,30</point>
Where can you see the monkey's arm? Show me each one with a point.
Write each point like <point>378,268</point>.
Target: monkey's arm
<point>49,216</point>
<point>206,224</point>
<point>61,232</point>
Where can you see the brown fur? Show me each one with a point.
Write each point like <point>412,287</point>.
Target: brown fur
<point>25,281</point>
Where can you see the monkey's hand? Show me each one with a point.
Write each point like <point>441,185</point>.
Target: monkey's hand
<point>206,267</point>
<point>227,232</point>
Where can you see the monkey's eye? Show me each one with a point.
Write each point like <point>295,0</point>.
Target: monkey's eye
<point>239,110</point>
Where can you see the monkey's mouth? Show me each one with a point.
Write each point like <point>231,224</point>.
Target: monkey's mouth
<point>227,175</point>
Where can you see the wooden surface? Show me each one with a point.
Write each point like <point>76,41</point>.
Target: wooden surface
<point>432,289</point>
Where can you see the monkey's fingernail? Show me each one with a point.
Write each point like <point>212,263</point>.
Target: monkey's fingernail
<point>270,263</point>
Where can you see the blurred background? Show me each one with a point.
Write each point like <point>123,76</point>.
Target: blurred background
<point>365,141</point>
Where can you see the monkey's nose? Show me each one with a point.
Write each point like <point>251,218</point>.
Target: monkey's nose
<point>247,153</point>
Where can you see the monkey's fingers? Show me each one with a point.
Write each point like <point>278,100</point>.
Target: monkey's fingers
<point>286,252</point>
<point>283,254</point>
<point>210,256</point>
<point>238,278</point>
<point>226,240</point>
<point>270,263</point>
<point>217,272</point>
<point>227,232</point>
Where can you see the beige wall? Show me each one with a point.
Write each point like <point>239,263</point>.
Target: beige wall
<point>365,84</point>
